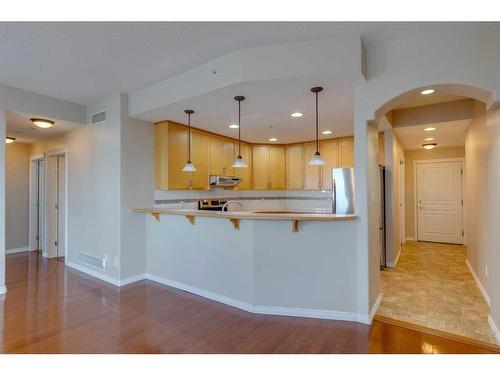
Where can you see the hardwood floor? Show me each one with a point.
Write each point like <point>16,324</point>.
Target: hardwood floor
<point>50,308</point>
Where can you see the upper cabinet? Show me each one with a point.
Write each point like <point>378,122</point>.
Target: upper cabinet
<point>269,167</point>
<point>275,167</point>
<point>346,153</point>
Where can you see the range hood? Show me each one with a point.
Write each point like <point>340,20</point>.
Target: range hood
<point>224,181</point>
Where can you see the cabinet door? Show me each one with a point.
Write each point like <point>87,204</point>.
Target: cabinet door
<point>311,172</point>
<point>161,156</point>
<point>294,178</point>
<point>216,152</point>
<point>330,152</point>
<point>260,161</point>
<point>277,172</point>
<point>177,156</point>
<point>199,157</point>
<point>245,174</point>
<point>228,157</point>
<point>346,153</point>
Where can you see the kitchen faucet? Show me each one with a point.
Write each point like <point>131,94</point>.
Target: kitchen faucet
<point>227,204</point>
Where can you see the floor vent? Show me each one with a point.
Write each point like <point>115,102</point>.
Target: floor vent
<point>92,260</point>
<point>99,117</point>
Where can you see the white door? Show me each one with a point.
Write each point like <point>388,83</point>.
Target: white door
<point>56,192</point>
<point>439,201</point>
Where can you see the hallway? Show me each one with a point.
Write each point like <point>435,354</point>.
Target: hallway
<point>431,286</point>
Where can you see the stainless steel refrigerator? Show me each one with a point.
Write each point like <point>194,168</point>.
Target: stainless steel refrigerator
<point>343,191</point>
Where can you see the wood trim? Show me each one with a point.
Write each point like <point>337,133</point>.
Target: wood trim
<point>439,333</point>
<point>236,223</point>
<point>191,219</point>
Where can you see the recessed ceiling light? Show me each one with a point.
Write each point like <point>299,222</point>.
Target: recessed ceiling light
<point>296,114</point>
<point>326,132</point>
<point>429,139</point>
<point>234,126</point>
<point>429,146</point>
<point>429,129</point>
<point>427,92</point>
<point>42,123</point>
<point>273,139</point>
<point>9,139</point>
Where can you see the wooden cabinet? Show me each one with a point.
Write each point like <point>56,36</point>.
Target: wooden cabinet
<point>245,174</point>
<point>161,156</point>
<point>346,152</point>
<point>228,157</point>
<point>312,173</point>
<point>294,167</point>
<point>199,157</point>
<point>269,167</point>
<point>329,149</point>
<point>216,152</point>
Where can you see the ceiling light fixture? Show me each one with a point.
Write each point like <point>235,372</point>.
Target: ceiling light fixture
<point>431,129</point>
<point>429,146</point>
<point>234,126</point>
<point>9,139</point>
<point>296,114</point>
<point>189,167</point>
<point>273,139</point>
<point>429,139</point>
<point>317,159</point>
<point>42,123</point>
<point>427,92</point>
<point>326,132</point>
<point>239,162</point>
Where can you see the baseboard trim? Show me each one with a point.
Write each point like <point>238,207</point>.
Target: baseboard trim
<point>265,310</point>
<point>132,279</point>
<point>393,265</point>
<point>375,307</point>
<point>18,250</point>
<point>93,273</point>
<point>410,239</point>
<point>479,285</point>
<point>494,328</point>
<point>3,289</point>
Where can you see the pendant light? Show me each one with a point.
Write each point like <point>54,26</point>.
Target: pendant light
<point>189,167</point>
<point>317,159</point>
<point>239,162</point>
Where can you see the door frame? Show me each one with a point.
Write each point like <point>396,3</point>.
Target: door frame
<point>402,201</point>
<point>41,192</point>
<point>59,151</point>
<point>415,186</point>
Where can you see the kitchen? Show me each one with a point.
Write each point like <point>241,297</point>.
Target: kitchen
<point>268,228</point>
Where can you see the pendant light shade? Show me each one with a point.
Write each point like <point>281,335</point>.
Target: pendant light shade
<point>239,162</point>
<point>317,159</point>
<point>189,167</point>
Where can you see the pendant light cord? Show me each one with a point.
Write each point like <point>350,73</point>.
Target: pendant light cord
<point>317,126</point>
<point>189,137</point>
<point>239,128</point>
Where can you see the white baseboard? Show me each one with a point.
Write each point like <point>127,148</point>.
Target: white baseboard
<point>268,310</point>
<point>18,250</point>
<point>132,279</point>
<point>375,307</point>
<point>3,289</point>
<point>393,265</point>
<point>410,239</point>
<point>480,286</point>
<point>92,272</point>
<point>494,328</point>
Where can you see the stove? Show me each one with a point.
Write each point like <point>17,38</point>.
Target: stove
<point>211,204</point>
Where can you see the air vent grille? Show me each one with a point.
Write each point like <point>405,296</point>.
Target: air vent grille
<point>92,260</point>
<point>99,117</point>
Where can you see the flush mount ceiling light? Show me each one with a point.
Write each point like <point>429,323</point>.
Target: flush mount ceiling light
<point>189,167</point>
<point>42,123</point>
<point>239,162</point>
<point>296,114</point>
<point>9,139</point>
<point>427,92</point>
<point>429,146</point>
<point>317,159</point>
<point>431,129</point>
<point>429,139</point>
<point>234,126</point>
<point>273,139</point>
<point>326,132</point>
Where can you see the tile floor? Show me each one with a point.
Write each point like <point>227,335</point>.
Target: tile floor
<point>432,286</point>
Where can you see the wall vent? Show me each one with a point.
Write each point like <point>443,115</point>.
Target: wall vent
<point>92,260</point>
<point>99,117</point>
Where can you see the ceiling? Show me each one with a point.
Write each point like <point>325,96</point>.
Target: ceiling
<point>20,127</point>
<point>269,104</point>
<point>435,98</point>
<point>447,134</point>
<point>81,62</point>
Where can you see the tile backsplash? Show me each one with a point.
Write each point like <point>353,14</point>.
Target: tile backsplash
<point>252,199</point>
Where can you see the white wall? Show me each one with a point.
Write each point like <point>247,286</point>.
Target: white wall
<point>3,126</point>
<point>17,176</point>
